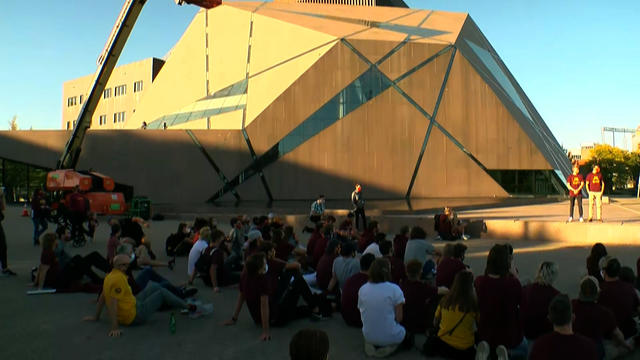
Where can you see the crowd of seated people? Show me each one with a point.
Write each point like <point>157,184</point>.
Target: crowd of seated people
<point>392,287</point>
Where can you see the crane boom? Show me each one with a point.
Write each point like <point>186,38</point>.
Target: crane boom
<point>106,63</point>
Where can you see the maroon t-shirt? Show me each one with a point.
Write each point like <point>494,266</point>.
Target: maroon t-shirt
<point>534,309</point>
<point>592,320</point>
<point>217,258</point>
<point>574,181</point>
<point>276,267</point>
<point>416,295</point>
<point>311,244</point>
<point>319,249</point>
<point>253,287</point>
<point>554,346</point>
<point>622,300</point>
<point>447,270</point>
<point>324,271</point>
<point>349,299</point>
<point>499,300</point>
<point>365,240</point>
<point>48,257</point>
<point>399,245</point>
<point>595,182</point>
<point>77,202</point>
<point>398,270</point>
<point>284,250</point>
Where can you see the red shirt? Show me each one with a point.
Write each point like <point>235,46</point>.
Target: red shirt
<point>77,203</point>
<point>498,300</point>
<point>284,250</point>
<point>217,258</point>
<point>534,309</point>
<point>319,249</point>
<point>595,182</point>
<point>253,288</point>
<point>447,270</point>
<point>324,271</point>
<point>555,346</point>
<point>622,300</point>
<point>276,267</point>
<point>592,320</point>
<point>575,181</point>
<point>311,244</point>
<point>349,299</point>
<point>417,295</point>
<point>399,245</point>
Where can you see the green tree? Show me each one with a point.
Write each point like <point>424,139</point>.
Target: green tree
<point>619,167</point>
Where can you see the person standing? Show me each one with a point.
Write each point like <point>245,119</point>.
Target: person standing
<point>3,239</point>
<point>38,215</point>
<point>358,207</point>
<point>595,188</point>
<point>317,209</point>
<point>575,183</point>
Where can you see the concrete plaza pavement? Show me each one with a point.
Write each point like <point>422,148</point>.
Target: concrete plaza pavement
<point>51,326</point>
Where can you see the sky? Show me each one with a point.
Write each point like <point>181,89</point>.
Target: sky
<point>578,61</point>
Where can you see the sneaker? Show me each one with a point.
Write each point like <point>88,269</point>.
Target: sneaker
<point>570,219</point>
<point>482,351</point>
<point>8,272</point>
<point>581,220</point>
<point>201,310</point>
<point>502,353</point>
<point>589,220</point>
<point>466,237</point>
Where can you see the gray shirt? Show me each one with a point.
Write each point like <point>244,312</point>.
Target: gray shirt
<point>418,249</point>
<point>344,268</point>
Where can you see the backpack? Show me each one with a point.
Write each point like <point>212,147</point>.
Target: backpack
<point>204,261</point>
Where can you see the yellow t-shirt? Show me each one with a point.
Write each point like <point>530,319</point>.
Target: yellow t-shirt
<point>463,336</point>
<point>116,286</point>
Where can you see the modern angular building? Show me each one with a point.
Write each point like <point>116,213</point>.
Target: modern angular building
<point>284,100</point>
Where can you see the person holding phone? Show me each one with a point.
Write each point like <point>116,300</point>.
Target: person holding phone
<point>3,239</point>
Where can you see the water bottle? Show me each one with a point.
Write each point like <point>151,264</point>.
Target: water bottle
<point>172,323</point>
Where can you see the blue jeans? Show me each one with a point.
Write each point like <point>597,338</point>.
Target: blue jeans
<point>40,225</point>
<point>148,274</point>
<point>152,298</point>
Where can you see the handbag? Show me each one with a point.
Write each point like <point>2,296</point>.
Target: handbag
<point>430,347</point>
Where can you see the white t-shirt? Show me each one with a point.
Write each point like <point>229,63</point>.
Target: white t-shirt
<point>374,249</point>
<point>377,303</point>
<point>194,255</point>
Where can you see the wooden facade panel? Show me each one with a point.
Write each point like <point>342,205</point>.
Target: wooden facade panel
<point>405,59</point>
<point>424,85</point>
<point>475,116</point>
<point>328,76</point>
<point>446,171</point>
<point>374,50</point>
<point>376,145</point>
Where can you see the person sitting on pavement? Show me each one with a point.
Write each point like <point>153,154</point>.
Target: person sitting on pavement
<point>257,291</point>
<point>211,265</point>
<point>380,303</point>
<point>449,227</point>
<point>499,297</point>
<point>324,270</point>
<point>398,269</point>
<point>146,274</point>
<point>125,309</point>
<point>562,343</point>
<point>400,242</point>
<point>237,239</point>
<point>598,252</point>
<point>180,242</point>
<point>418,296</point>
<point>349,296</point>
<point>536,298</point>
<point>196,252</point>
<point>597,322</point>
<point>451,264</point>
<point>456,318</point>
<point>620,297</point>
<point>368,236</point>
<point>418,248</point>
<point>344,266</point>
